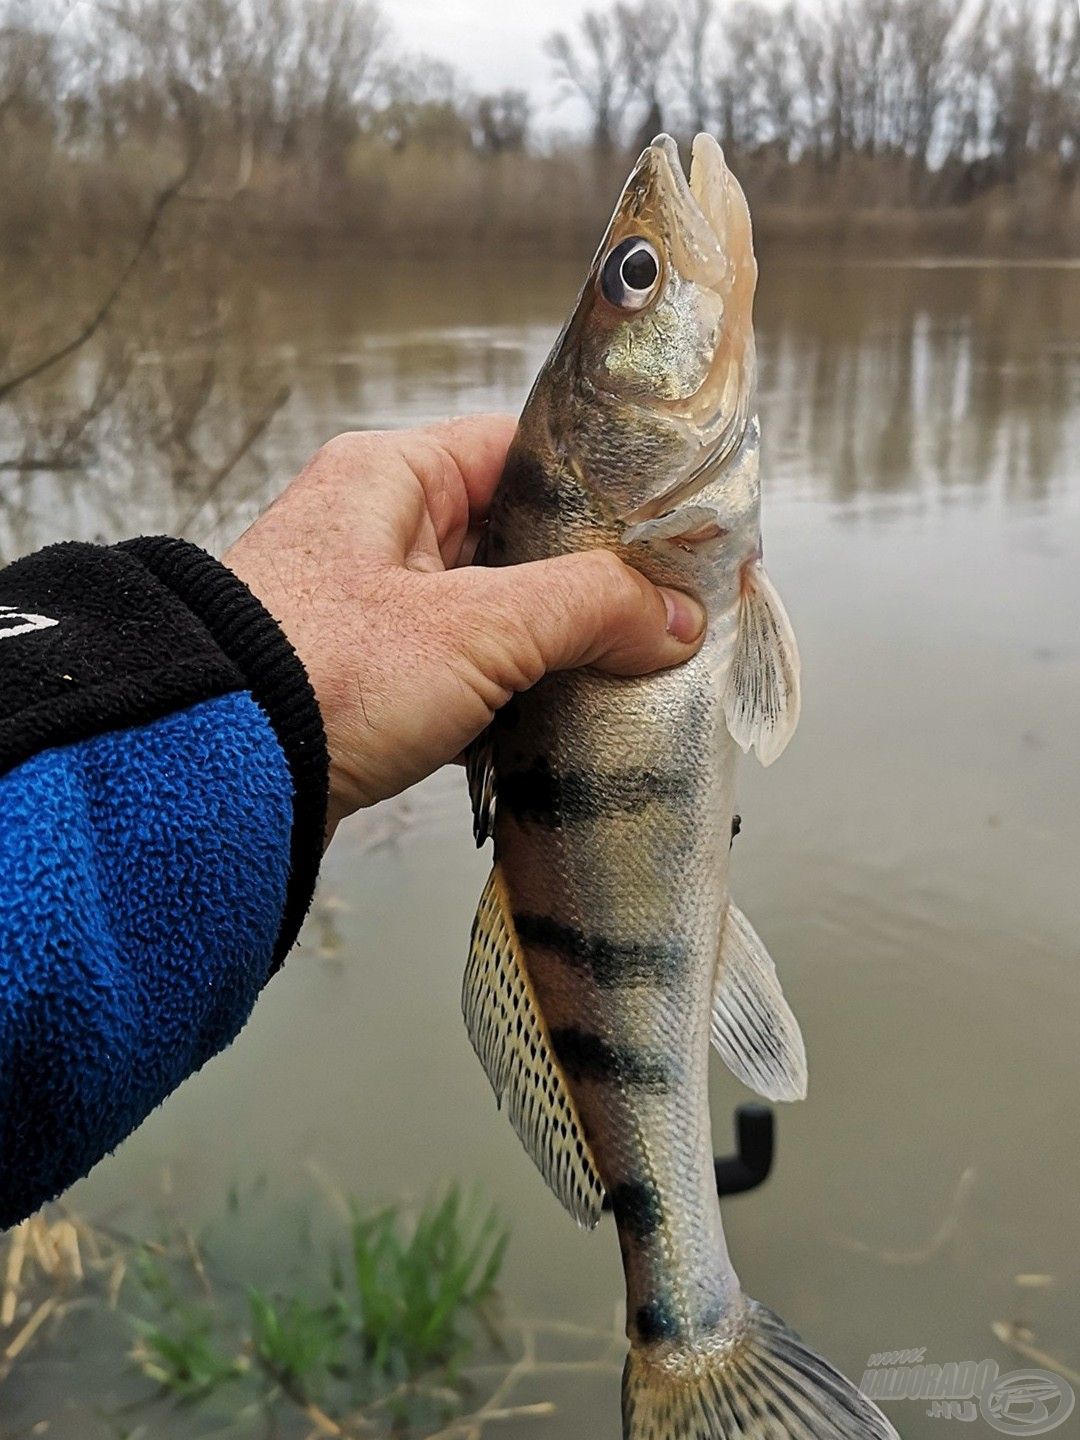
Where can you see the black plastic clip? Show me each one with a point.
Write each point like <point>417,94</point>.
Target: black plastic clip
<point>755,1149</point>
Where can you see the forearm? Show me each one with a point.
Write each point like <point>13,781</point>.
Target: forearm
<point>162,804</point>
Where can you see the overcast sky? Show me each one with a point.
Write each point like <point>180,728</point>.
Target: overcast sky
<point>496,44</point>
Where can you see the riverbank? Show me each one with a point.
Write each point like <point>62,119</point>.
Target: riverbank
<point>424,204</point>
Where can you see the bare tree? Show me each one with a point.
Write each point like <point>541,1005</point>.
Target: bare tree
<point>84,333</point>
<point>334,73</point>
<point>646,32</point>
<point>916,100</point>
<point>29,66</point>
<point>424,104</point>
<point>590,66</point>
<point>692,61</point>
<point>502,121</point>
<point>285,76</point>
<point>756,80</point>
<point>926,30</point>
<point>1053,59</point>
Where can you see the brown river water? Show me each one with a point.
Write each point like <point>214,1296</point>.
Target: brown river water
<point>911,862</point>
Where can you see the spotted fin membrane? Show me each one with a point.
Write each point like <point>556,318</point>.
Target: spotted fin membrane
<point>510,1036</point>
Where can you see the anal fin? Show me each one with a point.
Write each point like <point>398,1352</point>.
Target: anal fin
<point>753,1027</point>
<point>762,699</point>
<point>510,1035</point>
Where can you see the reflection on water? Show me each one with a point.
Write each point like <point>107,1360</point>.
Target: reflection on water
<point>916,386</point>
<point>910,863</point>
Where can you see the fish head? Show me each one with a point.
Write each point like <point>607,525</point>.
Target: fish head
<point>656,365</point>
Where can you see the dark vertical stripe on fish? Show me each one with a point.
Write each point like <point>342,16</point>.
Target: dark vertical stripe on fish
<point>656,1321</point>
<point>539,794</point>
<point>610,962</point>
<point>527,484</point>
<point>637,1208</point>
<point>585,1056</point>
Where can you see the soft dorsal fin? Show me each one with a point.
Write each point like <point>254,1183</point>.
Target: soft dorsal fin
<point>753,1027</point>
<point>510,1036</point>
<point>480,773</point>
<point>761,702</point>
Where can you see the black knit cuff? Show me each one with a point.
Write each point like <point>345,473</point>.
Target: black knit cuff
<point>252,641</point>
<point>90,641</point>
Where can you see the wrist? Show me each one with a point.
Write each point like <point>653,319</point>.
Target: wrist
<point>247,633</point>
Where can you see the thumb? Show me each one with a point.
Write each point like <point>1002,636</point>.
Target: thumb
<point>582,609</point>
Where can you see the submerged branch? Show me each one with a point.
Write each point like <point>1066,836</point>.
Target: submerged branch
<point>937,1241</point>
<point>1018,1338</point>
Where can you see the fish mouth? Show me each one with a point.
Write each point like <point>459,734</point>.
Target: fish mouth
<point>704,217</point>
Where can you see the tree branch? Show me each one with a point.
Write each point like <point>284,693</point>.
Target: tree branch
<point>162,201</point>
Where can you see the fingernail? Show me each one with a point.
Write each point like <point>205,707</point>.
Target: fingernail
<point>686,618</point>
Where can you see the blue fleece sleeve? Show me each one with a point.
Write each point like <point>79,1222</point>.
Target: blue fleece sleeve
<point>143,874</point>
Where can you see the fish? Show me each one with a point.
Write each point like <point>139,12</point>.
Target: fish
<point>607,957</point>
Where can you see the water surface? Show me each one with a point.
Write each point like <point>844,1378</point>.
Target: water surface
<point>911,862</point>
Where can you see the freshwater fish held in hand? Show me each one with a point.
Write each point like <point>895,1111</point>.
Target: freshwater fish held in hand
<point>606,952</point>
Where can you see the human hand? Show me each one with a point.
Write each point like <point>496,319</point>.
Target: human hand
<point>411,650</point>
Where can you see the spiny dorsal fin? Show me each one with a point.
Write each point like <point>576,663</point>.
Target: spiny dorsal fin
<point>753,1027</point>
<point>480,773</point>
<point>761,703</point>
<point>511,1038</point>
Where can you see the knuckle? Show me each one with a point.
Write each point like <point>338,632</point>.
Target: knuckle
<point>433,463</point>
<point>617,586</point>
<point>340,447</point>
<point>346,450</point>
<point>525,661</point>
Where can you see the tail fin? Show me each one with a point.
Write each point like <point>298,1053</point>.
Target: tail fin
<point>766,1385</point>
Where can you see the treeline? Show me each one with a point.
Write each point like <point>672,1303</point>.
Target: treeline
<point>987,87</point>
<point>285,78</point>
<point>308,116</point>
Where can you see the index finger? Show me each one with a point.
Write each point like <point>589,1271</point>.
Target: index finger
<point>476,445</point>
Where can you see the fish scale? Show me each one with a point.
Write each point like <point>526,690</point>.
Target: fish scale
<point>607,958</point>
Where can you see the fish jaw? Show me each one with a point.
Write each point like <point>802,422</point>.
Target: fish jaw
<point>659,201</point>
<point>711,240</point>
<point>704,216</point>
<point>701,226</point>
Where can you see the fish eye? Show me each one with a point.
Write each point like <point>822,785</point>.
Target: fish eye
<point>630,272</point>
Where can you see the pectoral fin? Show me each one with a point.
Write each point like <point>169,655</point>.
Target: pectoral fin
<point>688,524</point>
<point>753,1028</point>
<point>511,1037</point>
<point>761,703</point>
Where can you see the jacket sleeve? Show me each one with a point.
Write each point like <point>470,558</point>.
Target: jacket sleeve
<point>163,779</point>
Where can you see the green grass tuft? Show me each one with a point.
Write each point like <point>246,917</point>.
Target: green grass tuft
<point>387,1324</point>
<point>297,1343</point>
<point>415,1291</point>
<point>184,1359</point>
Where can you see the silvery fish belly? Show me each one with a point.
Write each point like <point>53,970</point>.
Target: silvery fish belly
<point>607,956</point>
